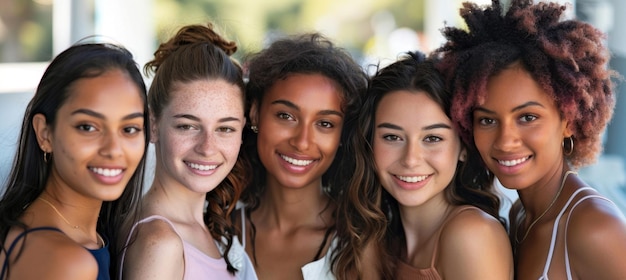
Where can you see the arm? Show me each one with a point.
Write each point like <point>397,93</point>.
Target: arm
<point>597,240</point>
<point>155,253</point>
<point>474,245</point>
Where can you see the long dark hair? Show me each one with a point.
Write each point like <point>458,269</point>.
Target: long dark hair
<point>309,53</point>
<point>30,172</point>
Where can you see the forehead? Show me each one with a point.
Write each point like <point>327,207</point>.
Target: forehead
<point>306,90</point>
<point>410,106</point>
<point>206,95</point>
<point>112,89</point>
<point>514,86</point>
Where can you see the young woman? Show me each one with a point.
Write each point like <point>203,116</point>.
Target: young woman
<point>197,108</point>
<point>533,93</point>
<point>413,195</point>
<point>302,90</point>
<point>78,169</point>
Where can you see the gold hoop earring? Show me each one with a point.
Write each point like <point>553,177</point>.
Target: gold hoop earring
<point>569,151</point>
<point>254,128</point>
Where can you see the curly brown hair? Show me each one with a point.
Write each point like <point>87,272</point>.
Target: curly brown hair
<point>198,52</point>
<point>368,215</point>
<point>567,58</point>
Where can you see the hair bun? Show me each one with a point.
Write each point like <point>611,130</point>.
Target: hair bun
<point>191,34</point>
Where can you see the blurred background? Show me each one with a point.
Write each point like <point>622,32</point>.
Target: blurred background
<point>373,31</point>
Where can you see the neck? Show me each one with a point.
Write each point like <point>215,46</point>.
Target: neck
<point>286,207</point>
<point>171,199</point>
<point>538,197</point>
<point>422,222</point>
<point>77,212</point>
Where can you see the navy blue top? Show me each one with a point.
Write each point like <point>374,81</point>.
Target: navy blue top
<point>101,255</point>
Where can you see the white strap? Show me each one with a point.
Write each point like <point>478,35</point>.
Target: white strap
<point>555,228</point>
<point>567,266</point>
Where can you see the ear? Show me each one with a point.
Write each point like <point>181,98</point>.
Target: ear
<point>568,131</point>
<point>463,155</point>
<point>254,113</point>
<point>154,128</point>
<point>42,132</point>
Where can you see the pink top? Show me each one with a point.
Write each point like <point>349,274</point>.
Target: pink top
<point>405,271</point>
<point>197,264</point>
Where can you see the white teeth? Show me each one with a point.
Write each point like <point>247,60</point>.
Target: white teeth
<point>298,162</point>
<point>510,163</point>
<point>412,179</point>
<point>201,167</point>
<point>106,172</point>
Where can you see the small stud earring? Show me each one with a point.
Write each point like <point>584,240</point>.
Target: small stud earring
<point>254,128</point>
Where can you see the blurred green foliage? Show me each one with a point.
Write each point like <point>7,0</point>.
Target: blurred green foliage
<point>26,25</point>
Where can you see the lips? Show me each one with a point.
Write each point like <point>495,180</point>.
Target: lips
<point>412,179</point>
<point>201,167</point>
<point>296,162</point>
<point>106,172</point>
<point>510,163</point>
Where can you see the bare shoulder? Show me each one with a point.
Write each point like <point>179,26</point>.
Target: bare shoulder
<point>596,229</point>
<point>466,224</point>
<point>593,220</point>
<point>155,237</point>
<point>155,251</point>
<point>475,245</point>
<point>53,255</point>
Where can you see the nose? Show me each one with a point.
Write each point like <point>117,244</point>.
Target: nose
<point>302,137</point>
<point>507,137</point>
<point>111,145</point>
<point>413,153</point>
<point>205,143</point>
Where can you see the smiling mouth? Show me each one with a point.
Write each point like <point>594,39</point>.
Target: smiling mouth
<point>509,163</point>
<point>296,162</point>
<point>106,171</point>
<point>200,166</point>
<point>412,179</point>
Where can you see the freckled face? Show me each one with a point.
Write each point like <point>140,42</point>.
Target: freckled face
<point>198,136</point>
<point>415,147</point>
<point>300,121</point>
<point>98,138</point>
<point>518,130</point>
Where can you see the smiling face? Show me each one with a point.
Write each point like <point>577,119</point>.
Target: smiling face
<point>198,136</point>
<point>300,121</point>
<point>518,130</point>
<point>98,138</point>
<point>416,149</point>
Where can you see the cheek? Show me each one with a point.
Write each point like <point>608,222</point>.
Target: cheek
<point>482,141</point>
<point>172,144</point>
<point>383,156</point>
<point>136,147</point>
<point>329,142</point>
<point>230,148</point>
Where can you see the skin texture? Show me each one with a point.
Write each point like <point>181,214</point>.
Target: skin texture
<point>416,152</point>
<point>299,121</point>
<point>518,131</point>
<point>197,141</point>
<point>98,132</point>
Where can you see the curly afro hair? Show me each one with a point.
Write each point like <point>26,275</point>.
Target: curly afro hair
<point>567,58</point>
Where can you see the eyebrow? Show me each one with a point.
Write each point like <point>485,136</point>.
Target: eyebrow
<point>101,116</point>
<point>520,107</point>
<point>194,118</point>
<point>430,127</point>
<point>296,107</point>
